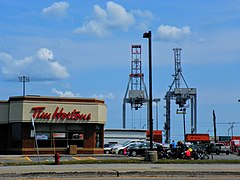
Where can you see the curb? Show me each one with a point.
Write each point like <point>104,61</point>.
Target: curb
<point>114,173</point>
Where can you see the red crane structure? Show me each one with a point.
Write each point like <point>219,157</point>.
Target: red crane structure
<point>136,92</point>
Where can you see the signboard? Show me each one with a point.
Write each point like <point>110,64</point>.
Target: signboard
<point>59,135</point>
<point>59,114</point>
<point>42,137</point>
<point>157,135</point>
<point>77,136</point>
<point>197,137</point>
<point>235,137</point>
<point>155,132</point>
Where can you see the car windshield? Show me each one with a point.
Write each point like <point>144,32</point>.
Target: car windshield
<point>106,145</point>
<point>141,145</point>
<point>126,143</point>
<point>132,145</point>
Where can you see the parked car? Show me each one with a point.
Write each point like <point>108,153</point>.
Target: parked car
<point>119,149</point>
<point>141,148</point>
<point>108,148</point>
<point>219,148</point>
<point>124,149</point>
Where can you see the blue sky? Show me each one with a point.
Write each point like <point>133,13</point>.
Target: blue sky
<point>82,49</point>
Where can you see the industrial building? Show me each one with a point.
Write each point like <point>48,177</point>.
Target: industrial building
<point>118,136</point>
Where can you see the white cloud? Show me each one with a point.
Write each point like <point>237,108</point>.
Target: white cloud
<point>144,14</point>
<point>57,9</point>
<point>64,94</point>
<point>118,16</point>
<point>45,54</point>
<point>114,16</point>
<point>143,18</point>
<point>40,66</point>
<point>172,33</point>
<point>108,96</point>
<point>94,27</point>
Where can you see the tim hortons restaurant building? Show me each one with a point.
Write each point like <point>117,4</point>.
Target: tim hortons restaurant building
<point>60,123</point>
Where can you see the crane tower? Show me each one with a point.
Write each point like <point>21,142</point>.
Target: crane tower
<point>181,96</point>
<point>136,92</point>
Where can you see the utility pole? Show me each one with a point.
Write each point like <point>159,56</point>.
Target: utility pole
<point>156,100</point>
<point>151,155</point>
<point>184,124</point>
<point>148,35</point>
<point>232,129</point>
<point>214,127</point>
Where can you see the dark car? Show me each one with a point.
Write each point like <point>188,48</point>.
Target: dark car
<point>218,148</point>
<point>141,148</point>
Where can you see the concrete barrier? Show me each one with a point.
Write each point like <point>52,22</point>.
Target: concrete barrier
<point>151,156</point>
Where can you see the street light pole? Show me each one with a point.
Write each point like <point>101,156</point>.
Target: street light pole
<point>149,36</point>
<point>184,124</point>
<point>156,100</point>
<point>24,79</point>
<point>232,129</point>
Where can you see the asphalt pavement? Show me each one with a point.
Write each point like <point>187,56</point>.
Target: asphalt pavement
<point>75,171</point>
<point>121,170</point>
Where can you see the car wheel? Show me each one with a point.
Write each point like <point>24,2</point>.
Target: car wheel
<point>107,152</point>
<point>120,151</point>
<point>217,152</point>
<point>134,153</point>
<point>227,152</point>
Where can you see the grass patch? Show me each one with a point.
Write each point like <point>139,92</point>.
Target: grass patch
<point>125,161</point>
<point>207,161</point>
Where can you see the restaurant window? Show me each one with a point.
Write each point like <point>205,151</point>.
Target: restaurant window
<point>75,135</point>
<point>43,134</point>
<point>59,135</point>
<point>42,127</point>
<point>44,139</point>
<point>75,138</point>
<point>59,127</point>
<point>99,137</point>
<point>59,139</point>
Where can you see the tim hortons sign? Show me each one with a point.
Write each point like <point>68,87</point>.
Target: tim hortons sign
<point>59,114</point>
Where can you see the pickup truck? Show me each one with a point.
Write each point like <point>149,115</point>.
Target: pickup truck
<point>220,148</point>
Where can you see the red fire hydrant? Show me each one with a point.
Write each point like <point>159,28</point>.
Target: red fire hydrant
<point>57,158</point>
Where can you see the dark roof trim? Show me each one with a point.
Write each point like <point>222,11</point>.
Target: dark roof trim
<point>55,99</point>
